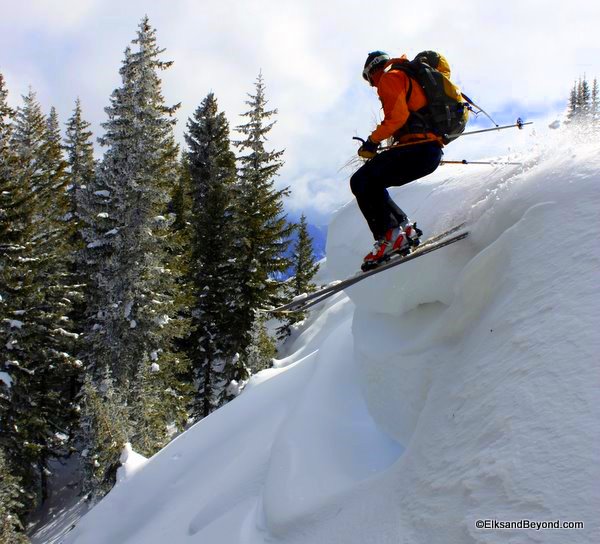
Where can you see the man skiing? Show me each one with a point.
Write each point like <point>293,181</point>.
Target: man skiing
<point>415,153</point>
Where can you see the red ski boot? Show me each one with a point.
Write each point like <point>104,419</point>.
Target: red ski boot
<point>395,242</point>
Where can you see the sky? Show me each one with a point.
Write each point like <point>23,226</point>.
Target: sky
<point>514,58</point>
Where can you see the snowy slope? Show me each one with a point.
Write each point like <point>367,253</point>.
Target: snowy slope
<point>461,386</point>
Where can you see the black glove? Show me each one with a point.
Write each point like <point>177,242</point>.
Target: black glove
<point>368,150</point>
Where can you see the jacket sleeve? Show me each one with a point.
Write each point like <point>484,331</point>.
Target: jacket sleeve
<point>392,91</point>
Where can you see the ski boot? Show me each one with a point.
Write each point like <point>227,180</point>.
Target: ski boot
<point>395,242</point>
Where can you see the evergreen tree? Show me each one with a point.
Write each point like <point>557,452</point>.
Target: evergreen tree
<point>11,529</point>
<point>262,230</point>
<point>134,296</point>
<point>572,107</point>
<point>583,102</point>
<point>261,350</point>
<point>212,175</point>
<point>584,98</point>
<point>595,109</point>
<point>80,159</point>
<point>13,200</point>
<point>103,432</point>
<point>13,212</point>
<point>305,268</point>
<point>36,330</point>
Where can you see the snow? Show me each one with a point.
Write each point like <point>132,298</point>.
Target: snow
<point>131,462</point>
<point>460,386</point>
<point>63,332</point>
<point>6,379</point>
<point>15,323</point>
<point>96,243</point>
<point>162,320</point>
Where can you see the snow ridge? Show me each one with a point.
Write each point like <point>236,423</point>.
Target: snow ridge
<point>460,386</point>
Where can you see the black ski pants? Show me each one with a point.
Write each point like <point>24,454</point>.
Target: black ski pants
<point>391,168</point>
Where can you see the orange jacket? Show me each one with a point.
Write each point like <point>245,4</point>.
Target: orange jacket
<point>392,88</point>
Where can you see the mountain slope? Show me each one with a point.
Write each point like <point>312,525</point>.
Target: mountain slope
<point>461,386</point>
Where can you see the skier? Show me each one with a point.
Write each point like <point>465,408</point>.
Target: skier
<point>415,153</point>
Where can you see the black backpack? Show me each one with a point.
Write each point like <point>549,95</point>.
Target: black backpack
<point>447,111</point>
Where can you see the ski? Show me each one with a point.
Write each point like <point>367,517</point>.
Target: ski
<point>302,303</point>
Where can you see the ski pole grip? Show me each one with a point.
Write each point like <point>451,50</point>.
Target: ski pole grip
<point>359,139</point>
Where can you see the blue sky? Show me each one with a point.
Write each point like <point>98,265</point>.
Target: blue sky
<point>512,57</point>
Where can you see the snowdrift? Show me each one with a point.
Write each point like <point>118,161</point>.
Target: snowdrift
<point>461,386</point>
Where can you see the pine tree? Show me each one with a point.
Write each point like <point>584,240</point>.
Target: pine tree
<point>262,230</point>
<point>261,350</point>
<point>303,260</point>
<point>134,298</point>
<point>214,268</point>
<point>305,268</point>
<point>13,212</point>
<point>572,107</point>
<point>595,105</point>
<point>80,159</point>
<point>103,433</point>
<point>36,333</point>
<point>11,529</point>
<point>583,102</point>
<point>584,98</point>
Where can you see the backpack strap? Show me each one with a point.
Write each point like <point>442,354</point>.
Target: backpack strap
<point>417,121</point>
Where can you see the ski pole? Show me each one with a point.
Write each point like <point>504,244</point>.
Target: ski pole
<point>493,163</point>
<point>519,124</point>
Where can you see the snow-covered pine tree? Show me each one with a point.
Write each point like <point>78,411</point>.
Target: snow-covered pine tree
<point>13,215</point>
<point>263,234</point>
<point>572,108</point>
<point>11,528</point>
<point>36,330</point>
<point>262,349</point>
<point>80,159</point>
<point>134,296</point>
<point>104,429</point>
<point>305,267</point>
<point>595,112</point>
<point>584,98</point>
<point>14,209</point>
<point>213,267</point>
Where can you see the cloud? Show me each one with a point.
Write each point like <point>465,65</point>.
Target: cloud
<point>48,17</point>
<point>513,57</point>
